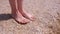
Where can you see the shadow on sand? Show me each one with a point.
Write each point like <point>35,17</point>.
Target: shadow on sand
<point>5,16</point>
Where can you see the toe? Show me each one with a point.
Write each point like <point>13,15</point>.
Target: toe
<point>32,18</point>
<point>25,21</point>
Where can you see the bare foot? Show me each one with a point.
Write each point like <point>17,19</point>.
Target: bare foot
<point>19,18</point>
<point>27,15</point>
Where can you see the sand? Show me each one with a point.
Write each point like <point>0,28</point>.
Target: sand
<point>47,13</point>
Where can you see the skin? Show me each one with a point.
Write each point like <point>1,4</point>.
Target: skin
<point>18,14</point>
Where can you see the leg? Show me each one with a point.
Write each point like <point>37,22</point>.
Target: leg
<point>16,14</point>
<point>25,14</point>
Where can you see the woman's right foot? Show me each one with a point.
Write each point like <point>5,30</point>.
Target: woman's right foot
<point>19,18</point>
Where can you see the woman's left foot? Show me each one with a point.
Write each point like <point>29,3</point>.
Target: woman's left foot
<point>29,16</point>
